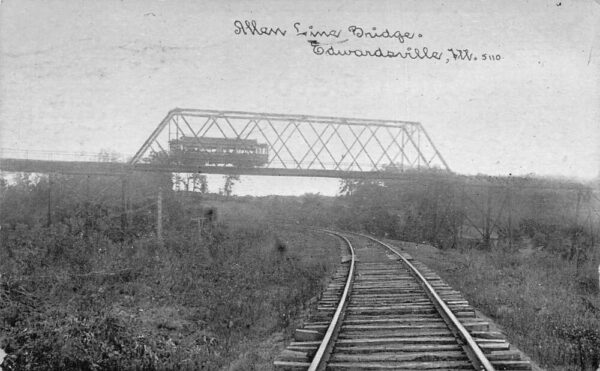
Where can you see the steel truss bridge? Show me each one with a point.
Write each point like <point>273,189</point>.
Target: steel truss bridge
<point>298,145</point>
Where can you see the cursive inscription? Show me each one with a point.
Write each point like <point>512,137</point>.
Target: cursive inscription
<point>359,32</point>
<point>250,28</point>
<point>408,53</point>
<point>311,32</point>
<point>358,42</point>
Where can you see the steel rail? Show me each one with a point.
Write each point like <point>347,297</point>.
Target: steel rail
<point>322,355</point>
<point>473,351</point>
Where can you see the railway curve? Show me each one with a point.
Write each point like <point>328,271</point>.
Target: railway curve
<point>383,310</point>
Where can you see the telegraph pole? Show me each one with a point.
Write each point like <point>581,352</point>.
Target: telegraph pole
<point>509,202</point>
<point>124,203</point>
<point>488,218</point>
<point>577,207</point>
<point>159,215</point>
<point>49,199</point>
<point>87,188</point>
<point>200,223</point>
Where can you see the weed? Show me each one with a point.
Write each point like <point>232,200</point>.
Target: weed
<point>534,298</point>
<point>74,297</point>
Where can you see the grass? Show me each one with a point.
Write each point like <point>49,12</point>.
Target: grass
<point>545,307</point>
<point>69,301</point>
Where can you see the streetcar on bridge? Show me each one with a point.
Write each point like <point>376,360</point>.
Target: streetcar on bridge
<point>206,151</point>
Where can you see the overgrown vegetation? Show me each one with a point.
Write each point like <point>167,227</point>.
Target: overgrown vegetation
<point>94,289</point>
<point>544,306</point>
<point>525,251</point>
<point>89,292</point>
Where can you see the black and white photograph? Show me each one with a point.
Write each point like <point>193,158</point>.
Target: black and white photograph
<point>299,185</point>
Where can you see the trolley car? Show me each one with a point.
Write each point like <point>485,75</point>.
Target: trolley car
<point>202,151</point>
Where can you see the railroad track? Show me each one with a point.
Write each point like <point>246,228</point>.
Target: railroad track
<point>384,311</point>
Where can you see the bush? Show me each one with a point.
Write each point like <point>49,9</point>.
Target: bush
<point>85,301</point>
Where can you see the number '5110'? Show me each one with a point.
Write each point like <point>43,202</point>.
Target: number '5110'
<point>491,57</point>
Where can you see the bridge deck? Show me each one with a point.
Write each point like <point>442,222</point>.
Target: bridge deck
<point>63,167</point>
<point>118,168</point>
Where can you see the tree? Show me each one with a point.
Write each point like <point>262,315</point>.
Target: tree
<point>199,183</point>
<point>348,186</point>
<point>191,182</point>
<point>229,182</point>
<point>180,183</point>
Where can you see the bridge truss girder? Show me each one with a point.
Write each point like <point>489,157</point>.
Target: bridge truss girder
<point>300,143</point>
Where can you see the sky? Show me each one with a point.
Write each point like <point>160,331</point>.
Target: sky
<point>84,75</point>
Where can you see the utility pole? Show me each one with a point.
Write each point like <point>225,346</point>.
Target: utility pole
<point>435,214</point>
<point>124,203</point>
<point>159,215</point>
<point>128,202</point>
<point>574,243</point>
<point>509,202</point>
<point>488,219</point>
<point>87,188</point>
<point>49,199</point>
<point>577,207</point>
<point>463,214</point>
<point>200,223</point>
